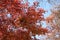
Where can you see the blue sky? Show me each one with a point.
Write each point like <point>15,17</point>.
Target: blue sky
<point>44,4</point>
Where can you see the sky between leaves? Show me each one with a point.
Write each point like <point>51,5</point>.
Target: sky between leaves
<point>44,4</point>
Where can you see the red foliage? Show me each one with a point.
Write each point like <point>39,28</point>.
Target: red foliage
<point>18,19</point>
